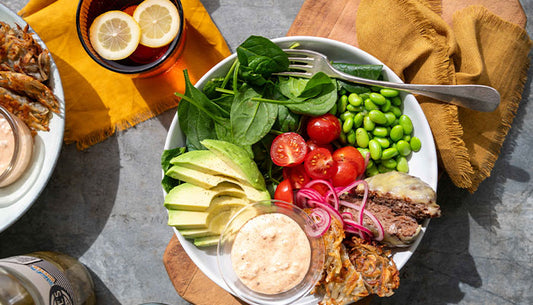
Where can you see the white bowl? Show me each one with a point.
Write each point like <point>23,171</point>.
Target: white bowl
<point>18,197</point>
<point>422,164</point>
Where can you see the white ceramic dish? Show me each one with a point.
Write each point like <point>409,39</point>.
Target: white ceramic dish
<point>422,164</point>
<point>17,198</point>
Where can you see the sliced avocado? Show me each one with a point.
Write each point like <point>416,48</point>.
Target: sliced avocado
<point>208,162</point>
<point>187,219</point>
<point>193,233</point>
<point>187,196</point>
<point>237,158</point>
<point>209,181</point>
<point>206,241</point>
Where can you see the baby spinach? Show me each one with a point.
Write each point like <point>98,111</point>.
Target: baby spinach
<point>315,98</point>
<point>259,58</point>
<point>364,71</point>
<point>251,120</point>
<point>168,182</point>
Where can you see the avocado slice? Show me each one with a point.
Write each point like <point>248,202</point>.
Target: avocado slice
<point>208,162</point>
<point>209,181</point>
<point>206,241</point>
<point>187,196</point>
<point>187,219</point>
<point>194,233</point>
<point>237,158</point>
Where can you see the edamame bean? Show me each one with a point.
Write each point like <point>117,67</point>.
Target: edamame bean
<point>377,98</point>
<point>402,165</point>
<point>389,163</point>
<point>369,105</point>
<point>386,106</point>
<point>403,148</point>
<point>372,171</point>
<point>347,125</point>
<point>390,118</point>
<point>377,117</point>
<point>358,120</point>
<point>389,153</point>
<point>375,149</point>
<point>382,169</point>
<point>353,108</point>
<point>396,101</point>
<point>343,101</point>
<point>368,124</point>
<point>354,99</point>
<point>406,123</point>
<point>388,92</point>
<point>363,151</point>
<point>396,133</point>
<point>380,132</point>
<point>365,95</point>
<point>350,137</point>
<point>361,137</point>
<point>396,110</point>
<point>370,164</point>
<point>416,144</point>
<point>345,115</point>
<point>407,138</point>
<point>342,137</point>
<point>384,142</point>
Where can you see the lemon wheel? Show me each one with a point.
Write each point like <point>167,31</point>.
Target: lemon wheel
<point>114,35</point>
<point>159,21</point>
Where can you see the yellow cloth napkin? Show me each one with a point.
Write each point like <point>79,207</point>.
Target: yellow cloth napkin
<point>98,101</point>
<point>479,48</point>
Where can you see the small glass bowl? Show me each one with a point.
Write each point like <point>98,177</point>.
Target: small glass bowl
<point>88,10</point>
<point>226,243</point>
<point>22,148</point>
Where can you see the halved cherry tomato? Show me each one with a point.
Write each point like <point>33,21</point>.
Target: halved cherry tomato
<point>324,129</point>
<point>288,149</point>
<point>321,188</point>
<point>319,164</point>
<point>350,153</point>
<point>296,175</point>
<point>284,192</point>
<point>312,144</point>
<point>346,174</point>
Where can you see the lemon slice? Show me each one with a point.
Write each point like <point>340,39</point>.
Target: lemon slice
<point>114,35</point>
<point>159,21</point>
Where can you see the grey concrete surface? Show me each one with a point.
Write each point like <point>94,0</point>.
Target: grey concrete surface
<point>104,205</point>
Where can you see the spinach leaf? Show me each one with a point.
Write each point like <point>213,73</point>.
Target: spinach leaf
<point>287,120</point>
<point>197,115</point>
<point>251,120</point>
<point>317,97</point>
<point>167,182</point>
<point>262,56</point>
<point>364,71</point>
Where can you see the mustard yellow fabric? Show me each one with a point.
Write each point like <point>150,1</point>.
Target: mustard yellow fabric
<point>479,47</point>
<point>98,102</point>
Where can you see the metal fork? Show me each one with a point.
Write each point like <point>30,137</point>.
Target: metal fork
<point>476,97</point>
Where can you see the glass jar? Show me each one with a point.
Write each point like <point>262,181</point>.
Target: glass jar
<point>16,147</point>
<point>45,278</point>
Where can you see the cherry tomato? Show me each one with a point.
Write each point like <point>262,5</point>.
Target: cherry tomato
<point>321,188</point>
<point>284,191</point>
<point>296,175</point>
<point>346,174</point>
<point>288,149</point>
<point>319,164</point>
<point>350,153</point>
<point>324,129</point>
<point>312,144</point>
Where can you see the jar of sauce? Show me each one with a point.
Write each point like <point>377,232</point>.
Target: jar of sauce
<point>16,147</point>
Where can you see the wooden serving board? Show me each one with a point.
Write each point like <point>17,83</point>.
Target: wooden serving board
<point>333,19</point>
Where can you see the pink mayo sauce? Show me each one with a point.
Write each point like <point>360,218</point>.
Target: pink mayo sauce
<point>271,253</point>
<point>7,148</point>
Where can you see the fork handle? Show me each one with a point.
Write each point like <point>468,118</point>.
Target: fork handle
<point>476,97</point>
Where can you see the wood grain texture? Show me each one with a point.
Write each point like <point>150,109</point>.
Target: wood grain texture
<point>333,19</point>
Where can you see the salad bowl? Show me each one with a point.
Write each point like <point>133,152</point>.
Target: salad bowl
<point>422,164</point>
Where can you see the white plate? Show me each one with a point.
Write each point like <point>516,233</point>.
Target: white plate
<point>17,198</point>
<point>422,164</point>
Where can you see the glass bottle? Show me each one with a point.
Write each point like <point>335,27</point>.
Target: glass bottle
<point>45,278</point>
